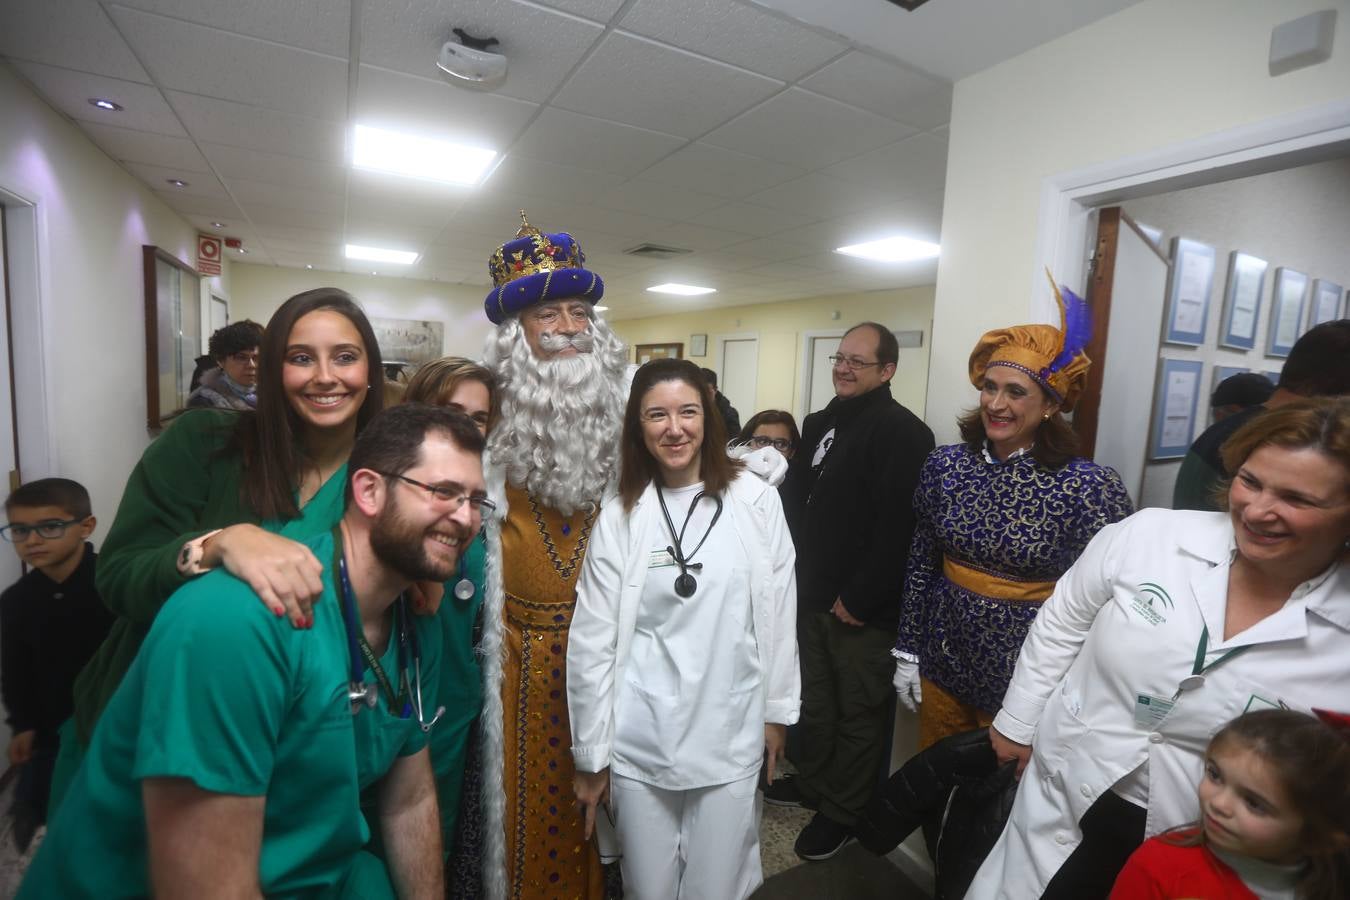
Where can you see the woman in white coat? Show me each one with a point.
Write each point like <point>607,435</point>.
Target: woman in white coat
<point>1170,624</point>
<point>682,658</point>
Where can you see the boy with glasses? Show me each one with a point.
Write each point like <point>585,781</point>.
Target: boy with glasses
<point>51,622</point>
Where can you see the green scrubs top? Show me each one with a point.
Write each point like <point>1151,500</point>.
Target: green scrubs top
<point>235,699</point>
<point>460,688</point>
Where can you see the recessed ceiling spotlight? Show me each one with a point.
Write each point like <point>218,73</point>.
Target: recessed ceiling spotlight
<point>240,250</point>
<point>602,309</point>
<point>374,273</point>
<point>103,103</point>
<point>308,266</point>
<point>177,182</point>
<point>217,224</point>
<point>683,290</point>
<point>470,62</point>
<point>892,249</point>
<point>419,157</point>
<point>381,254</point>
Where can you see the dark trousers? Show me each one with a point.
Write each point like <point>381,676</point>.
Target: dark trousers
<point>1113,828</point>
<point>846,704</point>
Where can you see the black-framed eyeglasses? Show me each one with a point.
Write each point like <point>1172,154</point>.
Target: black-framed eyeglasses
<point>452,495</point>
<point>760,441</point>
<point>51,529</point>
<point>852,362</point>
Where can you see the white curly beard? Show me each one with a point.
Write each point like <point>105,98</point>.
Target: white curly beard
<point>558,433</point>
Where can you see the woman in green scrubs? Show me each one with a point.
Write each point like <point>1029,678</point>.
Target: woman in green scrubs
<point>239,490</point>
<point>469,388</point>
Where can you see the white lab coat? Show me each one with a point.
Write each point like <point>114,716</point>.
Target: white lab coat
<point>609,592</point>
<point>1127,620</point>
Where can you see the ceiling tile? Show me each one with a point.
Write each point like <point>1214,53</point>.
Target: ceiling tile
<point>220,210</point>
<point>199,184</point>
<point>320,25</point>
<point>595,10</point>
<point>254,128</point>
<point>700,166</point>
<point>200,60</point>
<point>774,249</point>
<point>146,147</point>
<point>249,192</point>
<point>398,235</point>
<point>734,33</point>
<point>804,129</point>
<point>240,162</point>
<point>753,220</point>
<point>917,163</point>
<point>329,235</point>
<point>691,236</point>
<point>541,46</point>
<point>827,196</point>
<point>667,201</point>
<point>885,89</point>
<point>437,109</point>
<point>70,91</point>
<point>587,143</point>
<point>640,82</point>
<point>266,218</point>
<point>72,33</point>
<point>549,181</point>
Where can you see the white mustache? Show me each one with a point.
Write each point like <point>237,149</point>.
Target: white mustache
<point>583,341</point>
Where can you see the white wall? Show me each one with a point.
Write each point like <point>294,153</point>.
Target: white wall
<point>779,327</point>
<point>92,219</point>
<point>1157,74</point>
<point>257,291</point>
<point>1298,218</point>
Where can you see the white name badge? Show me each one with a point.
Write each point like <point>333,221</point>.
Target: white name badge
<point>1150,710</point>
<point>660,559</point>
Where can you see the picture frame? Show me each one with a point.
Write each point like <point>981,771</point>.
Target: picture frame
<point>1242,300</point>
<point>1190,282</point>
<point>1175,398</point>
<point>1324,302</point>
<point>1288,297</point>
<point>698,345</point>
<point>1219,376</point>
<point>645,353</point>
<point>173,333</point>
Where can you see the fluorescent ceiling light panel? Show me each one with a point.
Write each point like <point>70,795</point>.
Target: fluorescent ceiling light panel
<point>419,157</point>
<point>683,290</point>
<point>891,249</point>
<point>380,254</point>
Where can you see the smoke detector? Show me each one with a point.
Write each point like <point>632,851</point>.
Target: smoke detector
<point>469,62</point>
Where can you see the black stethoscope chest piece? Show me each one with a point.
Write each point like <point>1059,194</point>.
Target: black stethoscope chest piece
<point>686,584</point>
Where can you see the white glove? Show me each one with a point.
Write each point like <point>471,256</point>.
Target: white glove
<point>765,462</point>
<point>906,681</point>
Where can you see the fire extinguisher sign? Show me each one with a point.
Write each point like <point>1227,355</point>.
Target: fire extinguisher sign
<point>208,254</point>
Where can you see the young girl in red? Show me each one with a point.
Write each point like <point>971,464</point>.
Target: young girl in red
<point>1275,818</point>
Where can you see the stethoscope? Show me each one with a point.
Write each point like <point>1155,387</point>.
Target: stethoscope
<point>358,692</point>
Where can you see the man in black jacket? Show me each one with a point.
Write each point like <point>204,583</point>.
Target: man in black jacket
<point>849,502</point>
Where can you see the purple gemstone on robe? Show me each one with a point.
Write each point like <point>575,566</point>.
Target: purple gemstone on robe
<point>553,829</point>
<point>553,742</point>
<point>558,618</point>
<point>557,673</point>
<point>553,877</point>
<point>554,695</point>
<point>553,854</point>
<point>567,528</point>
<point>553,810</point>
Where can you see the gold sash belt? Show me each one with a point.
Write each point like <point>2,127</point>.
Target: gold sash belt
<point>994,586</point>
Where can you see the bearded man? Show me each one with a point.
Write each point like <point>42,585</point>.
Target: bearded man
<point>561,386</point>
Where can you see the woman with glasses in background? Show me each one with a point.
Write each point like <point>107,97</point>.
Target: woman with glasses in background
<point>771,428</point>
<point>999,517</point>
<point>682,656</point>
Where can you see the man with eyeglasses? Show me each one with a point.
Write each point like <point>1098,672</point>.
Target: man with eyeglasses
<point>848,497</point>
<point>231,760</point>
<point>233,383</point>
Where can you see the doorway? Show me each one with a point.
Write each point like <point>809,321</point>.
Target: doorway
<point>738,357</point>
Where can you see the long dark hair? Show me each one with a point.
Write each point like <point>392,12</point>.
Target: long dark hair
<point>1311,761</point>
<point>269,439</point>
<point>638,467</point>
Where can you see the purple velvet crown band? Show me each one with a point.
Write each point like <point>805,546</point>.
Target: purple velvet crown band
<point>538,268</point>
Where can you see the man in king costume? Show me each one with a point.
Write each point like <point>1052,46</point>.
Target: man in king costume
<point>562,382</point>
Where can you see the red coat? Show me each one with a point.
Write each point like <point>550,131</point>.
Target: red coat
<point>1160,870</point>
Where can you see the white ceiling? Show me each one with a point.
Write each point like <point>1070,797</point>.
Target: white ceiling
<point>724,127</point>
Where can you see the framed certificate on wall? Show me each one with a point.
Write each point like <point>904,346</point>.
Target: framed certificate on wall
<point>1242,300</point>
<point>1188,292</point>
<point>1326,302</point>
<point>1287,301</point>
<point>1176,397</point>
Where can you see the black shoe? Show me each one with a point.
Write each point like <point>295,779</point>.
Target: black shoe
<point>822,838</point>
<point>785,791</point>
